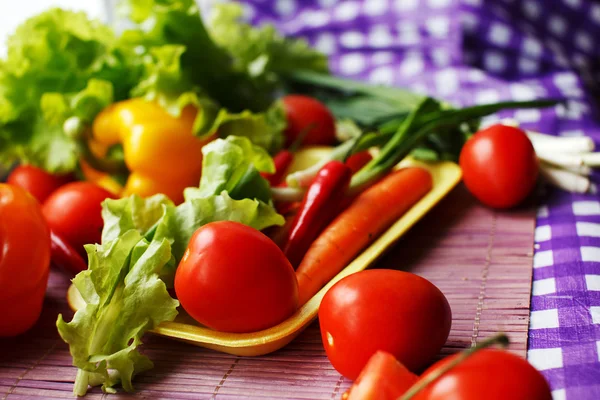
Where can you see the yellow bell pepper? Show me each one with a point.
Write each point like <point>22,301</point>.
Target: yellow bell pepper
<point>160,151</point>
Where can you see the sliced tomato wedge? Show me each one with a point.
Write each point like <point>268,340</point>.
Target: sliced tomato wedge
<point>383,378</point>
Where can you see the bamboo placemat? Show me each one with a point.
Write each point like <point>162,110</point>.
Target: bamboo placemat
<point>479,258</point>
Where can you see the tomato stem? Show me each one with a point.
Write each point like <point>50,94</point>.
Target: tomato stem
<point>499,339</point>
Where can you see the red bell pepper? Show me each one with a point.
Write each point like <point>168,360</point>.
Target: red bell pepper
<point>321,204</point>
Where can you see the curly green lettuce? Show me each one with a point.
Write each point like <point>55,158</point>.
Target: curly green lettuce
<point>234,165</point>
<point>58,64</point>
<point>62,68</point>
<point>239,66</point>
<point>124,297</point>
<point>262,53</point>
<point>264,129</point>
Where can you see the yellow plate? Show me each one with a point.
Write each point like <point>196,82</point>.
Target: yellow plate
<point>445,176</point>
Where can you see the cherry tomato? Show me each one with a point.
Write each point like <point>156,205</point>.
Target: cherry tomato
<point>387,310</point>
<point>306,113</point>
<point>233,278</point>
<point>37,181</point>
<point>382,378</point>
<point>489,374</point>
<point>74,212</point>
<point>24,259</point>
<point>499,166</point>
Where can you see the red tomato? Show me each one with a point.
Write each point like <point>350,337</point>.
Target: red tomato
<point>74,212</point>
<point>37,181</point>
<point>302,113</point>
<point>489,374</point>
<point>24,260</point>
<point>233,278</point>
<point>387,310</point>
<point>499,166</point>
<point>382,378</point>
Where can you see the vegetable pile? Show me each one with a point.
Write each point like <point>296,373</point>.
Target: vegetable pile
<point>159,159</point>
<point>169,74</point>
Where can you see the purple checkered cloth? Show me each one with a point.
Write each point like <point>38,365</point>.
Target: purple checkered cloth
<point>481,51</point>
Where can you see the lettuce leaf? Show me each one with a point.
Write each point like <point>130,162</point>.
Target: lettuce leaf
<point>52,54</point>
<point>74,111</point>
<point>261,53</point>
<point>124,297</point>
<point>133,212</point>
<point>167,83</point>
<point>47,146</point>
<point>88,103</point>
<point>234,165</point>
<point>264,129</point>
<point>152,217</point>
<point>238,65</point>
<point>178,22</point>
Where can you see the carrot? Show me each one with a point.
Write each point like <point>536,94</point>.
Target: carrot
<point>370,214</point>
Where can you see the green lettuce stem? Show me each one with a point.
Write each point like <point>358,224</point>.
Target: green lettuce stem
<point>80,387</point>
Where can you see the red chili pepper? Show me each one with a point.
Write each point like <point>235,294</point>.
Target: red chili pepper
<point>358,160</point>
<point>282,161</point>
<point>63,255</point>
<point>321,204</point>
